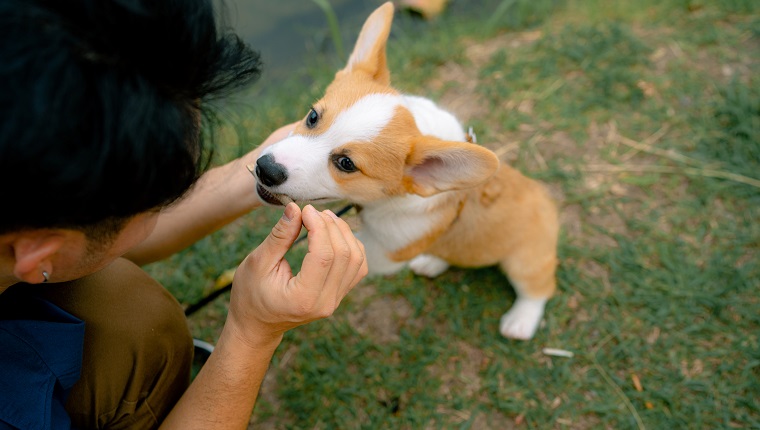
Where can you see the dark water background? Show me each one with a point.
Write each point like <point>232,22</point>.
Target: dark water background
<point>293,34</point>
<point>288,33</point>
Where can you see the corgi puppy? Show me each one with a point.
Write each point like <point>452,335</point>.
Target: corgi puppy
<point>428,197</point>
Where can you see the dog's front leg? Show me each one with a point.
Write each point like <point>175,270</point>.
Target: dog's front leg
<point>377,256</point>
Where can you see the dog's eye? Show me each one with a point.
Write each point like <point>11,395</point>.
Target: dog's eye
<point>345,164</point>
<point>312,118</point>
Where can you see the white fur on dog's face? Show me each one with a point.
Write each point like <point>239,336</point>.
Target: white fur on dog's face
<point>308,157</point>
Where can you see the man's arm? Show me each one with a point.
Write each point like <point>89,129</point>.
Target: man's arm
<point>266,301</point>
<point>224,392</point>
<point>220,196</point>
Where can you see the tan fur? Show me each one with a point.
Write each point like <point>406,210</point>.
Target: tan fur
<point>511,221</point>
<point>422,148</point>
<point>339,96</point>
<point>380,161</point>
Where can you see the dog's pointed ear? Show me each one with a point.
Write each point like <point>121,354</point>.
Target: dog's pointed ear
<point>436,165</point>
<point>369,52</point>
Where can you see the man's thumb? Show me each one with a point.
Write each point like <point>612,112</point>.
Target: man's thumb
<point>283,234</point>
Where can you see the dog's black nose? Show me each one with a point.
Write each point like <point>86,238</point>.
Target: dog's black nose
<point>269,172</point>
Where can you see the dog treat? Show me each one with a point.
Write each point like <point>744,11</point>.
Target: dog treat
<point>251,168</point>
<point>554,352</point>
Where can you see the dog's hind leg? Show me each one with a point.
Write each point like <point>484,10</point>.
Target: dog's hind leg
<point>428,265</point>
<point>534,285</point>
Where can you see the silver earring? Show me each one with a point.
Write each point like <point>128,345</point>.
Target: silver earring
<point>44,275</point>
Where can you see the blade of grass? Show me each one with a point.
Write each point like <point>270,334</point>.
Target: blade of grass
<point>690,171</point>
<point>647,146</point>
<point>498,13</point>
<point>612,383</point>
<point>332,22</point>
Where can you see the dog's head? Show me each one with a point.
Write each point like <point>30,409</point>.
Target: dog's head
<point>360,142</point>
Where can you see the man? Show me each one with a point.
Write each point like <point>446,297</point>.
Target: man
<point>101,161</point>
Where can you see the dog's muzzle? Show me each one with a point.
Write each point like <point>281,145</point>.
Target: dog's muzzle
<point>269,172</point>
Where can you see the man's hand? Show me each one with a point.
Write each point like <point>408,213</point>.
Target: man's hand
<point>268,300</point>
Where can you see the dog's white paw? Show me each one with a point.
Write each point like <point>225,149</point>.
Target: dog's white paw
<point>521,322</point>
<point>428,265</point>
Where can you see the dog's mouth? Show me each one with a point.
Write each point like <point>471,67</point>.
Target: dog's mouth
<point>283,199</point>
<point>270,197</point>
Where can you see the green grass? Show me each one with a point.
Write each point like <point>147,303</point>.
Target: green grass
<point>643,118</point>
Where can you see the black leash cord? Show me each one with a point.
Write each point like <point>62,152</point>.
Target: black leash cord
<point>195,307</point>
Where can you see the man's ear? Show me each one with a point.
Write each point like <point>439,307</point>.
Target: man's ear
<point>436,165</point>
<point>369,52</point>
<point>33,253</point>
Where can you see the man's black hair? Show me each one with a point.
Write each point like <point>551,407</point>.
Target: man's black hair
<point>100,104</point>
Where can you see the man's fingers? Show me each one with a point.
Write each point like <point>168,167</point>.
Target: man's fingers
<point>318,260</point>
<point>355,258</point>
<point>341,271</point>
<point>363,268</point>
<point>281,238</point>
<point>335,261</point>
